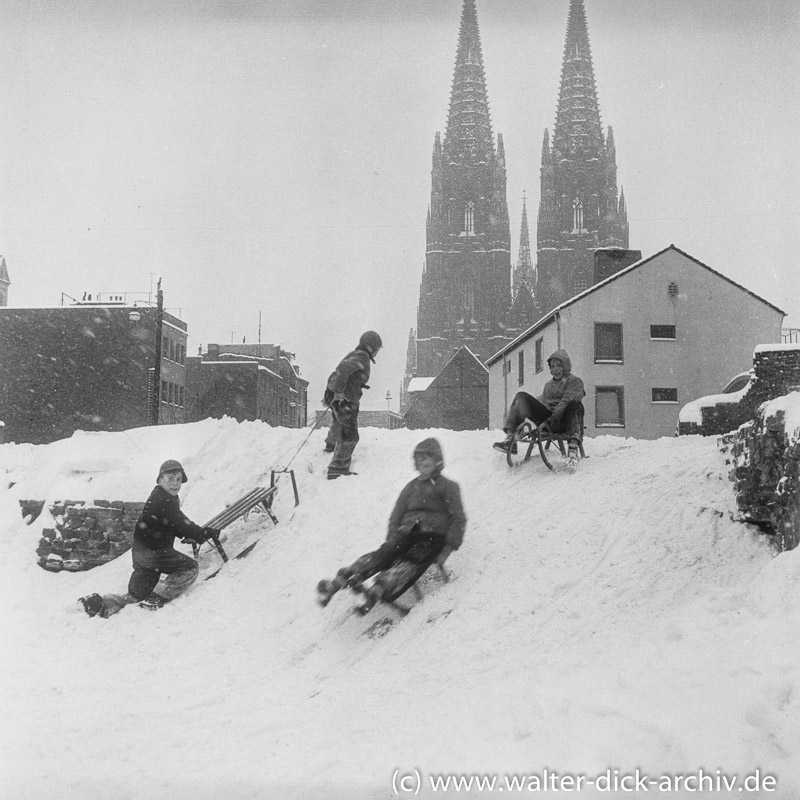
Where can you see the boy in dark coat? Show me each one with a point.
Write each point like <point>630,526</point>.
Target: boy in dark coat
<point>343,395</point>
<point>426,525</point>
<point>559,405</point>
<point>161,521</point>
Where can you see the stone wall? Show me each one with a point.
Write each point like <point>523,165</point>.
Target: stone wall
<point>764,460</point>
<point>85,536</point>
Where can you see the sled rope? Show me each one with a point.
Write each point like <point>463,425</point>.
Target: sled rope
<point>316,425</point>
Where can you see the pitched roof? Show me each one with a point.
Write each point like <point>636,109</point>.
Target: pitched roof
<point>539,324</point>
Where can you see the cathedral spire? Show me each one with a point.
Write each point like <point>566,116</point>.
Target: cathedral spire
<point>578,128</point>
<point>578,207</point>
<point>523,271</point>
<point>465,291</point>
<point>469,126</point>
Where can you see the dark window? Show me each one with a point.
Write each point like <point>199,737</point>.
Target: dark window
<point>665,395</point>
<point>662,332</point>
<point>164,392</point>
<point>539,361</point>
<point>609,406</point>
<point>521,367</point>
<point>608,342</point>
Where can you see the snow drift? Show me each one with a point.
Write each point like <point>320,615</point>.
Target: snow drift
<point>615,619</point>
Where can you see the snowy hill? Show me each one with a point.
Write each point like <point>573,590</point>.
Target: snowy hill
<point>615,619</point>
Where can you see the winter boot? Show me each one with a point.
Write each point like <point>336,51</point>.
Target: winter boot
<point>573,458</point>
<point>507,444</point>
<point>332,476</point>
<point>92,604</point>
<point>153,602</point>
<point>327,589</point>
<point>370,599</point>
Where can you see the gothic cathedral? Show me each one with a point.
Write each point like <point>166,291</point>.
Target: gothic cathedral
<point>465,291</point>
<point>579,210</point>
<point>468,294</point>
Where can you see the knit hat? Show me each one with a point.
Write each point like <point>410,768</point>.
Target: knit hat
<point>171,466</point>
<point>430,447</point>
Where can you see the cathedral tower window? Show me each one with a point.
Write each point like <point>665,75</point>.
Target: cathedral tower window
<point>577,215</point>
<point>469,218</point>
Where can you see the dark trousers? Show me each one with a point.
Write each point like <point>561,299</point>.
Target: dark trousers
<point>148,565</point>
<point>525,406</point>
<point>343,435</point>
<point>419,548</point>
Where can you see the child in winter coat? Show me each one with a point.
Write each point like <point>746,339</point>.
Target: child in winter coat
<point>160,523</point>
<point>425,526</point>
<point>343,396</point>
<point>559,405</point>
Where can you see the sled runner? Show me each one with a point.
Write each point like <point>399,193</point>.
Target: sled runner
<point>527,436</point>
<point>386,588</point>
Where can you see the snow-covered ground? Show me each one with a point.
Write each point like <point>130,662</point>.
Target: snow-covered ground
<point>612,620</point>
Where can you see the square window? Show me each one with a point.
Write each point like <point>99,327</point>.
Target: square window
<point>662,332</point>
<point>608,342</point>
<point>664,395</point>
<point>609,406</point>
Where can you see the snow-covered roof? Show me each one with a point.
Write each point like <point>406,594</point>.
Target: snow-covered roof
<point>768,348</point>
<point>420,384</point>
<point>236,362</point>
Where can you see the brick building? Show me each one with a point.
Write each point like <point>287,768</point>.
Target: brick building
<point>89,366</point>
<point>247,382</point>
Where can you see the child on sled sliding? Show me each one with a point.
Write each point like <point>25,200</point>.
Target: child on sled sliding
<point>153,553</point>
<point>426,525</point>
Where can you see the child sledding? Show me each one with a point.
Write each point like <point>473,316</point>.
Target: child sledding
<point>426,525</point>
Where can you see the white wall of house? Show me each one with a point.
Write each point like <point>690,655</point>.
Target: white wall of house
<point>717,325</point>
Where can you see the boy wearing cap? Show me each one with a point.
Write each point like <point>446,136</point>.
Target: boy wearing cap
<point>343,396</point>
<point>161,521</point>
<point>425,526</point>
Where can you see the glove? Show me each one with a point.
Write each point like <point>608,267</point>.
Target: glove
<point>211,533</point>
<point>554,421</point>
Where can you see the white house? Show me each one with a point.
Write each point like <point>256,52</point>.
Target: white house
<point>646,340</point>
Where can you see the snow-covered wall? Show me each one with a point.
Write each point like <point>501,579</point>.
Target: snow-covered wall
<point>764,455</point>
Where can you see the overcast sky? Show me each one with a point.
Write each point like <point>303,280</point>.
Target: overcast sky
<point>274,157</point>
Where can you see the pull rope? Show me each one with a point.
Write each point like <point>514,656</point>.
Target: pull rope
<point>314,427</point>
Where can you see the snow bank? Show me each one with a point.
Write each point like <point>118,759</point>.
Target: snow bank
<point>619,618</point>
